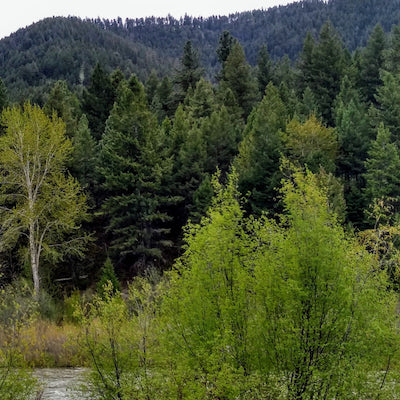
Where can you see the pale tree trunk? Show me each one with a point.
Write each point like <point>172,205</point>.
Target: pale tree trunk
<point>34,255</point>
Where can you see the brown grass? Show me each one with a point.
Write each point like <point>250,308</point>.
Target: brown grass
<point>46,344</point>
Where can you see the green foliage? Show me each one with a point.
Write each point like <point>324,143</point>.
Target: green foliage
<point>382,174</point>
<point>260,310</point>
<point>327,65</point>
<point>372,60</point>
<point>237,77</point>
<point>17,310</point>
<point>133,166</point>
<point>98,100</point>
<point>314,289</point>
<point>83,158</point>
<point>260,151</point>
<point>119,339</point>
<point>39,201</point>
<point>207,306</point>
<point>65,105</point>
<point>391,53</point>
<point>265,69</point>
<point>311,144</point>
<point>190,71</point>
<point>108,278</point>
<point>388,108</point>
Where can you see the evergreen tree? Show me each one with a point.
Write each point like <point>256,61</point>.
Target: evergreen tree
<point>98,100</point>
<point>308,105</point>
<point>151,86</point>
<point>238,78</point>
<point>225,44</point>
<point>108,282</point>
<point>392,53</point>
<point>354,137</point>
<point>222,135</point>
<point>84,155</point>
<point>388,107</point>
<point>260,151</point>
<point>66,106</point>
<point>372,60</point>
<point>201,103</point>
<point>133,166</point>
<point>264,69</point>
<point>327,71</point>
<point>3,96</point>
<point>382,174</point>
<point>163,103</point>
<point>305,67</point>
<point>189,72</point>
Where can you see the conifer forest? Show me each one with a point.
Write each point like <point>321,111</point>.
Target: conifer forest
<point>204,208</point>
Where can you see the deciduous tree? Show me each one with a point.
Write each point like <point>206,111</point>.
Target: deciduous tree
<point>39,201</point>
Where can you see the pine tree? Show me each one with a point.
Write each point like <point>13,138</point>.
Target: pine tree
<point>98,100</point>
<point>354,137</point>
<point>388,105</point>
<point>3,96</point>
<point>238,78</point>
<point>372,60</point>
<point>189,72</point>
<point>83,160</point>
<point>201,103</point>
<point>392,52</point>
<point>133,166</point>
<point>66,106</point>
<point>259,153</point>
<point>222,135</point>
<point>225,44</point>
<point>382,174</point>
<point>305,74</point>
<point>264,69</point>
<point>163,103</point>
<point>327,71</point>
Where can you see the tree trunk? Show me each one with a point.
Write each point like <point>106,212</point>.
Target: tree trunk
<point>34,254</point>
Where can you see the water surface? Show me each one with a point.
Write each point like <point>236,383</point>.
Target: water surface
<point>59,383</point>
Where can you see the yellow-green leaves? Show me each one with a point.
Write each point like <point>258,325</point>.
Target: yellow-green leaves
<point>38,199</point>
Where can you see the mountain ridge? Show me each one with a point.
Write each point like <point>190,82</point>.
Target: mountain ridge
<point>67,48</point>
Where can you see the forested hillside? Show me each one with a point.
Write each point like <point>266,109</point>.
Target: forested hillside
<point>68,48</point>
<point>33,58</point>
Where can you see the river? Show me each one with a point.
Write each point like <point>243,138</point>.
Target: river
<point>59,383</point>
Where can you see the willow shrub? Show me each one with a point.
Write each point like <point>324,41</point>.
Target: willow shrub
<point>266,310</point>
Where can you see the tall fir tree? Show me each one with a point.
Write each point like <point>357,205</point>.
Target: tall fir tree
<point>387,109</point>
<point>354,137</point>
<point>372,61</point>
<point>133,166</point>
<point>225,44</point>
<point>98,100</point>
<point>382,174</point>
<point>83,159</point>
<point>238,78</point>
<point>66,106</point>
<point>392,52</point>
<point>327,70</point>
<point>189,72</point>
<point>265,69</point>
<point>305,67</point>
<point>260,151</point>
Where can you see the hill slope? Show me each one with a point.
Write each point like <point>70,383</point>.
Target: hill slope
<point>67,48</point>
